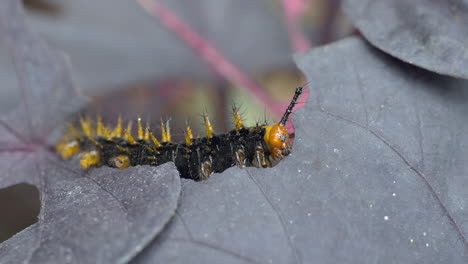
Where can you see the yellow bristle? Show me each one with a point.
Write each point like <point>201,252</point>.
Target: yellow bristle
<point>146,136</point>
<point>208,127</point>
<point>168,131</point>
<point>165,131</point>
<point>99,125</point>
<point>122,149</point>
<point>148,148</point>
<point>129,137</point>
<point>189,131</point>
<point>129,126</point>
<point>155,141</point>
<point>238,123</point>
<point>86,127</point>
<point>188,135</point>
<point>95,142</point>
<point>128,133</point>
<point>140,129</point>
<point>101,129</point>
<point>117,132</point>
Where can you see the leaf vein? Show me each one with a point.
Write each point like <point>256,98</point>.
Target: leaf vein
<point>280,217</point>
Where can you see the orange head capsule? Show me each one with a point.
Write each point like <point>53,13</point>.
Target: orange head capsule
<point>120,161</point>
<point>276,136</point>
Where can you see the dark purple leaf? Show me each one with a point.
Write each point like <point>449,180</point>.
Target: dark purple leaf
<point>428,33</point>
<point>12,250</point>
<point>377,175</point>
<point>102,215</point>
<point>226,219</point>
<point>44,80</point>
<point>107,216</point>
<point>17,165</point>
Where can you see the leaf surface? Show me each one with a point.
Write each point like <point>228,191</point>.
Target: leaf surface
<point>427,33</point>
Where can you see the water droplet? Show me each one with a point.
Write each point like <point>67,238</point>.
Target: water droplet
<point>309,214</point>
<point>394,181</point>
<point>424,233</point>
<point>336,150</point>
<point>393,194</point>
<point>385,218</point>
<point>411,240</point>
<point>427,244</point>
<point>299,171</point>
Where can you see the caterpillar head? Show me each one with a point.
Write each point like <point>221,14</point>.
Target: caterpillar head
<point>276,139</point>
<point>276,136</point>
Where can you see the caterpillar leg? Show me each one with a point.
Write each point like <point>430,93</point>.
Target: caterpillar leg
<point>206,169</point>
<point>260,158</point>
<point>240,158</point>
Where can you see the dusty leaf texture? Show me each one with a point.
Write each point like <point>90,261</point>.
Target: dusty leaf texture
<point>102,215</point>
<point>377,175</point>
<point>427,33</point>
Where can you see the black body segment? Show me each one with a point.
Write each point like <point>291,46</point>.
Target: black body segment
<point>258,146</point>
<point>195,161</point>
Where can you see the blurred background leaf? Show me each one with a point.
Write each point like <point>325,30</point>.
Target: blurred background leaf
<point>429,34</point>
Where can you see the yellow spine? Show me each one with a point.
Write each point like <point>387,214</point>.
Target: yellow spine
<point>165,131</point>
<point>208,127</point>
<point>146,136</point>
<point>140,129</point>
<point>101,129</point>
<point>117,132</point>
<point>128,133</point>
<point>238,122</point>
<point>188,135</point>
<point>154,139</point>
<point>86,127</point>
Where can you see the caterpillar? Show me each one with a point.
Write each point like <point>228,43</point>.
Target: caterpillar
<point>196,158</point>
